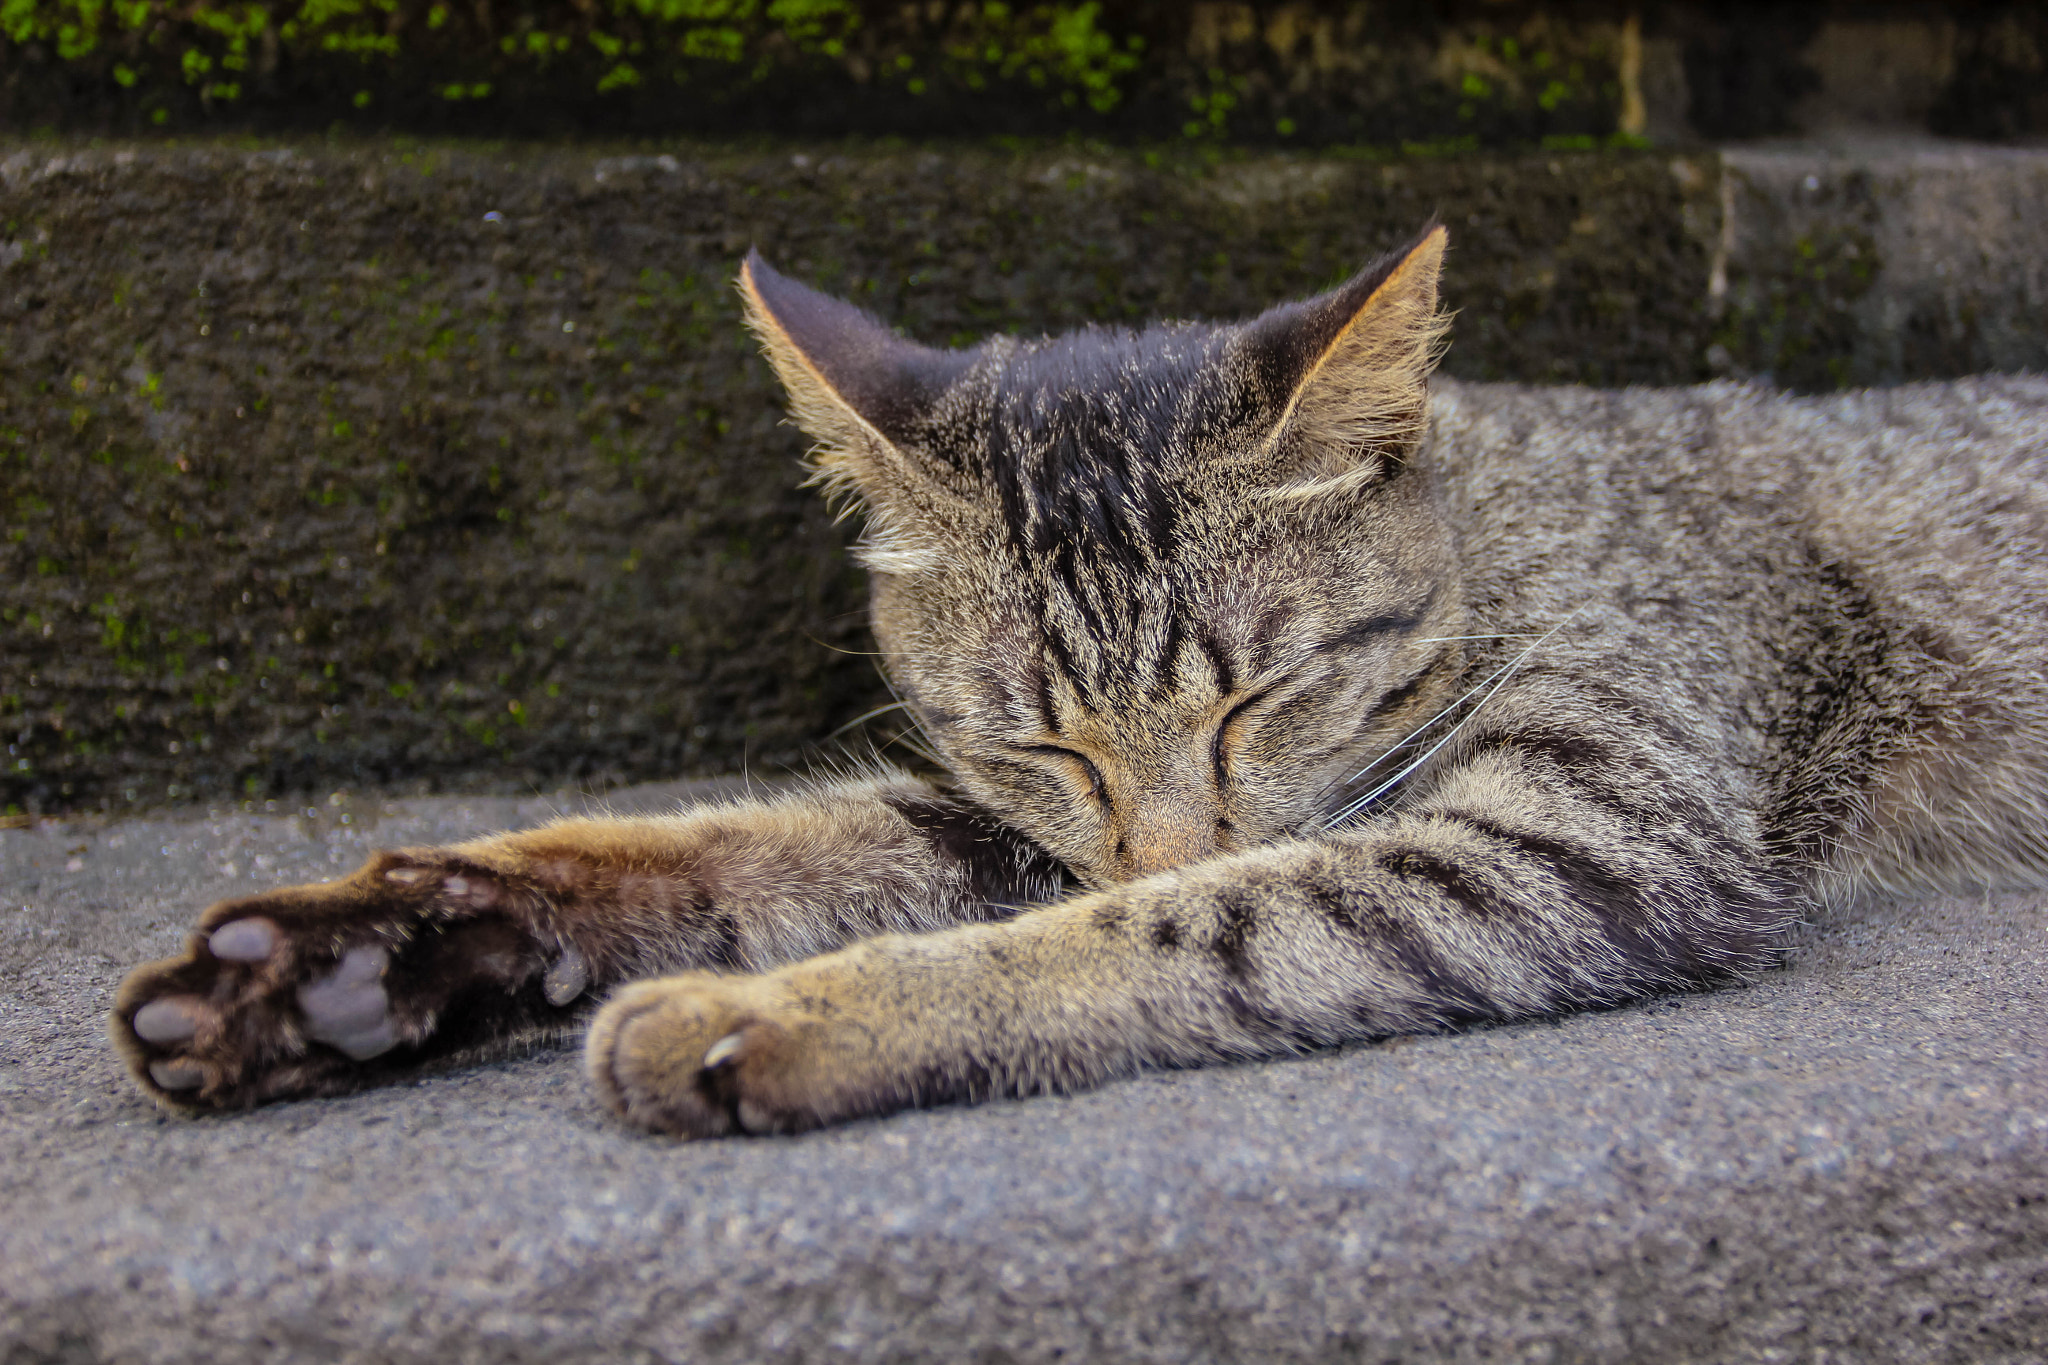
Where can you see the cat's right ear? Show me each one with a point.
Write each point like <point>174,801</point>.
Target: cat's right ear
<point>1348,370</point>
<point>862,391</point>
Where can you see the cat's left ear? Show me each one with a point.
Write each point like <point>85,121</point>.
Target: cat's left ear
<point>861,390</point>
<point>1349,370</point>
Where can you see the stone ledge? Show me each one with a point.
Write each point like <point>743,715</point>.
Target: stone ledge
<point>1876,262</point>
<point>1847,1160</point>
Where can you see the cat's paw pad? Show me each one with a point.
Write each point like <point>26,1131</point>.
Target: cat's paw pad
<point>705,1056</point>
<point>349,1008</point>
<point>464,888</point>
<point>346,1008</point>
<point>300,990</point>
<point>244,940</point>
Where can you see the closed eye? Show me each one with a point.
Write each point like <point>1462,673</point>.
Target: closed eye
<point>1219,743</point>
<point>1096,789</point>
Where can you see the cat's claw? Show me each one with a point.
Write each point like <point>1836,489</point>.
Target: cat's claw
<point>566,978</point>
<point>723,1051</point>
<point>706,1056</point>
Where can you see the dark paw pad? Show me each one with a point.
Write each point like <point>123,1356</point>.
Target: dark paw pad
<point>315,989</point>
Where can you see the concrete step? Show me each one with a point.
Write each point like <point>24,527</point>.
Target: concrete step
<point>1863,262</point>
<point>345,465</point>
<point>1846,1161</point>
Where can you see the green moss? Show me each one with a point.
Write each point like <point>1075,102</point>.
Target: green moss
<point>207,46</point>
<point>1352,71</point>
<point>1793,315</point>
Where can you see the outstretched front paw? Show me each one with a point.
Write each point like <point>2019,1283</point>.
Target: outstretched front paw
<point>701,1055</point>
<point>319,989</point>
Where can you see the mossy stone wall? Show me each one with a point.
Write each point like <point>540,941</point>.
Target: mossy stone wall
<point>1912,261</point>
<point>365,464</point>
<point>400,462</point>
<point>1289,73</point>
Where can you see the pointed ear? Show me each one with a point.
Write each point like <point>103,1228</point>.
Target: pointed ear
<point>1349,370</point>
<point>854,385</point>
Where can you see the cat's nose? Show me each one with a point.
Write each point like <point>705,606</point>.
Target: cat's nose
<point>1159,844</point>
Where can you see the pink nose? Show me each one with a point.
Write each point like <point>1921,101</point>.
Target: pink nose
<point>1157,845</point>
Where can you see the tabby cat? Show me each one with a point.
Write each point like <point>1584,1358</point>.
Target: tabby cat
<point>1302,704</point>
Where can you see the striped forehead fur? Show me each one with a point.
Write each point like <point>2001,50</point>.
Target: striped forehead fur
<point>1096,446</point>
<point>1083,441</point>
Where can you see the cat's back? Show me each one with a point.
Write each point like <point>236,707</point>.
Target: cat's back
<point>1899,454</point>
<point>1879,558</point>
<point>1933,495</point>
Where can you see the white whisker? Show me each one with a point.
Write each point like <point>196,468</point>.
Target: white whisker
<point>923,751</point>
<point>1420,730</point>
<point>1498,678</point>
<point>1415,735</point>
<point>857,720</point>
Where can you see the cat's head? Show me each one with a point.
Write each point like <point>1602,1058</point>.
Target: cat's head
<point>1154,595</point>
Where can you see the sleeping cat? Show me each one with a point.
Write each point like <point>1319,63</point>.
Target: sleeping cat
<point>1303,706</point>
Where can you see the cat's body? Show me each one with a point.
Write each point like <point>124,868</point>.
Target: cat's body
<point>1304,709</point>
<point>1840,603</point>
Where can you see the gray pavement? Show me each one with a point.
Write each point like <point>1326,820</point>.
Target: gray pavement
<point>1846,1161</point>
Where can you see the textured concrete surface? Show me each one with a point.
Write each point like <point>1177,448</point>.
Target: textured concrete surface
<point>1846,1161</point>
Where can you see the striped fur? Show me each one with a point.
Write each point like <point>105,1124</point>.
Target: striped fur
<point>1283,703</point>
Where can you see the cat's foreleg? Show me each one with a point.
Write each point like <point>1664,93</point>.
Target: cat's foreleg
<point>427,952</point>
<point>1507,904</point>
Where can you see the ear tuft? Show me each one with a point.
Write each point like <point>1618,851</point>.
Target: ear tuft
<point>1351,367</point>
